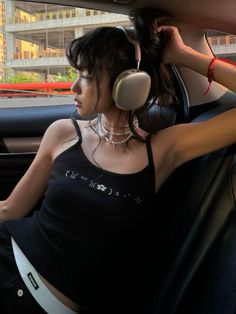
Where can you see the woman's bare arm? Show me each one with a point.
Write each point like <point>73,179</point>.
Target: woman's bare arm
<point>178,53</point>
<point>31,187</point>
<point>185,142</point>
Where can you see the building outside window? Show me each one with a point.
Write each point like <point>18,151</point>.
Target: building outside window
<point>33,36</point>
<point>36,35</point>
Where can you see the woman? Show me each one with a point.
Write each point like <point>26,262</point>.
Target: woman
<point>84,250</point>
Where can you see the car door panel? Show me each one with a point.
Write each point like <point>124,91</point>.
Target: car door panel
<point>21,131</point>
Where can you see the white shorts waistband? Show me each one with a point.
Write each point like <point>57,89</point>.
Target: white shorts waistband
<point>37,288</point>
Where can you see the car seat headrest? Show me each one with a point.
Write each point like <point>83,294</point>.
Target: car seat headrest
<point>160,117</point>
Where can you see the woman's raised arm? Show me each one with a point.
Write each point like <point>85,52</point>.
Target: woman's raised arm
<point>175,145</point>
<point>178,53</point>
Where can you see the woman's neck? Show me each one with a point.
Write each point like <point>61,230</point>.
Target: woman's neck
<point>116,131</point>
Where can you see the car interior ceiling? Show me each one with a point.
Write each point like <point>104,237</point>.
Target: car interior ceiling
<point>188,219</point>
<point>212,14</point>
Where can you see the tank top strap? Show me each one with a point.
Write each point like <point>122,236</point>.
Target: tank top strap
<point>77,128</point>
<point>149,151</point>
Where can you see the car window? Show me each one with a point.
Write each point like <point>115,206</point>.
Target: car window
<point>223,44</point>
<point>33,37</point>
<point>32,41</point>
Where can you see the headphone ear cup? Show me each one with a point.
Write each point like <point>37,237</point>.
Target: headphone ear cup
<point>131,89</point>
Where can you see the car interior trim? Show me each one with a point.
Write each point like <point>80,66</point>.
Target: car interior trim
<point>21,145</point>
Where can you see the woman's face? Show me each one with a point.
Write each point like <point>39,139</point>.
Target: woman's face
<point>89,98</point>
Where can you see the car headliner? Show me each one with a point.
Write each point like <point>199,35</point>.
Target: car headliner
<point>210,14</point>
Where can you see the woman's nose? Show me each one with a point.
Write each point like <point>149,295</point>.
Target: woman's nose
<point>75,87</point>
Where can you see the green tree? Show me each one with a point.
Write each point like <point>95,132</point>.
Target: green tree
<point>70,77</point>
<point>27,77</point>
<point>21,77</point>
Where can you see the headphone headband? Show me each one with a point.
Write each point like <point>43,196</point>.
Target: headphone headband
<point>131,36</point>
<point>131,87</point>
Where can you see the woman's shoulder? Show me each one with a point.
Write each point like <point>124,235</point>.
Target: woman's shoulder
<point>60,128</point>
<point>59,132</point>
<point>65,127</point>
<point>63,133</point>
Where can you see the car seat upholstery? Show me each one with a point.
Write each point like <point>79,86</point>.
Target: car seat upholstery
<point>157,118</point>
<point>193,240</point>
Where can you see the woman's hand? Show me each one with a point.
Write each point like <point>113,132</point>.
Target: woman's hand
<point>176,52</point>
<point>175,49</point>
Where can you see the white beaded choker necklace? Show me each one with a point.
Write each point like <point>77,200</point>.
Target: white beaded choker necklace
<point>108,135</point>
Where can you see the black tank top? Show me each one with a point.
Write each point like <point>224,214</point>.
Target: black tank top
<point>90,228</point>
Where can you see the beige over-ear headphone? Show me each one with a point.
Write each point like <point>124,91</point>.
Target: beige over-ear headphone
<point>131,88</point>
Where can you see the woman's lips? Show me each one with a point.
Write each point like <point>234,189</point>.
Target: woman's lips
<point>77,103</point>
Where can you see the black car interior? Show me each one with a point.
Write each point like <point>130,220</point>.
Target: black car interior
<point>21,130</point>
<point>194,212</point>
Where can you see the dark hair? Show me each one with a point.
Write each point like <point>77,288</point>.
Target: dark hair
<point>153,44</point>
<point>164,107</point>
<point>104,48</point>
<point>107,48</point>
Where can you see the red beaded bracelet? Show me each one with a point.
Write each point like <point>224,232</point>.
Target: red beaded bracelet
<point>210,73</point>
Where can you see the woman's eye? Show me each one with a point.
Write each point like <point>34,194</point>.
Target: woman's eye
<point>86,77</point>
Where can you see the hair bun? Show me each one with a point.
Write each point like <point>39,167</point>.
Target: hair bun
<point>143,20</point>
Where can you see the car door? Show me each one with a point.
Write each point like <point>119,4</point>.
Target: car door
<point>21,130</point>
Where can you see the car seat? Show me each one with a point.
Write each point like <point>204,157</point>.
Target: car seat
<point>157,118</point>
<point>192,244</point>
